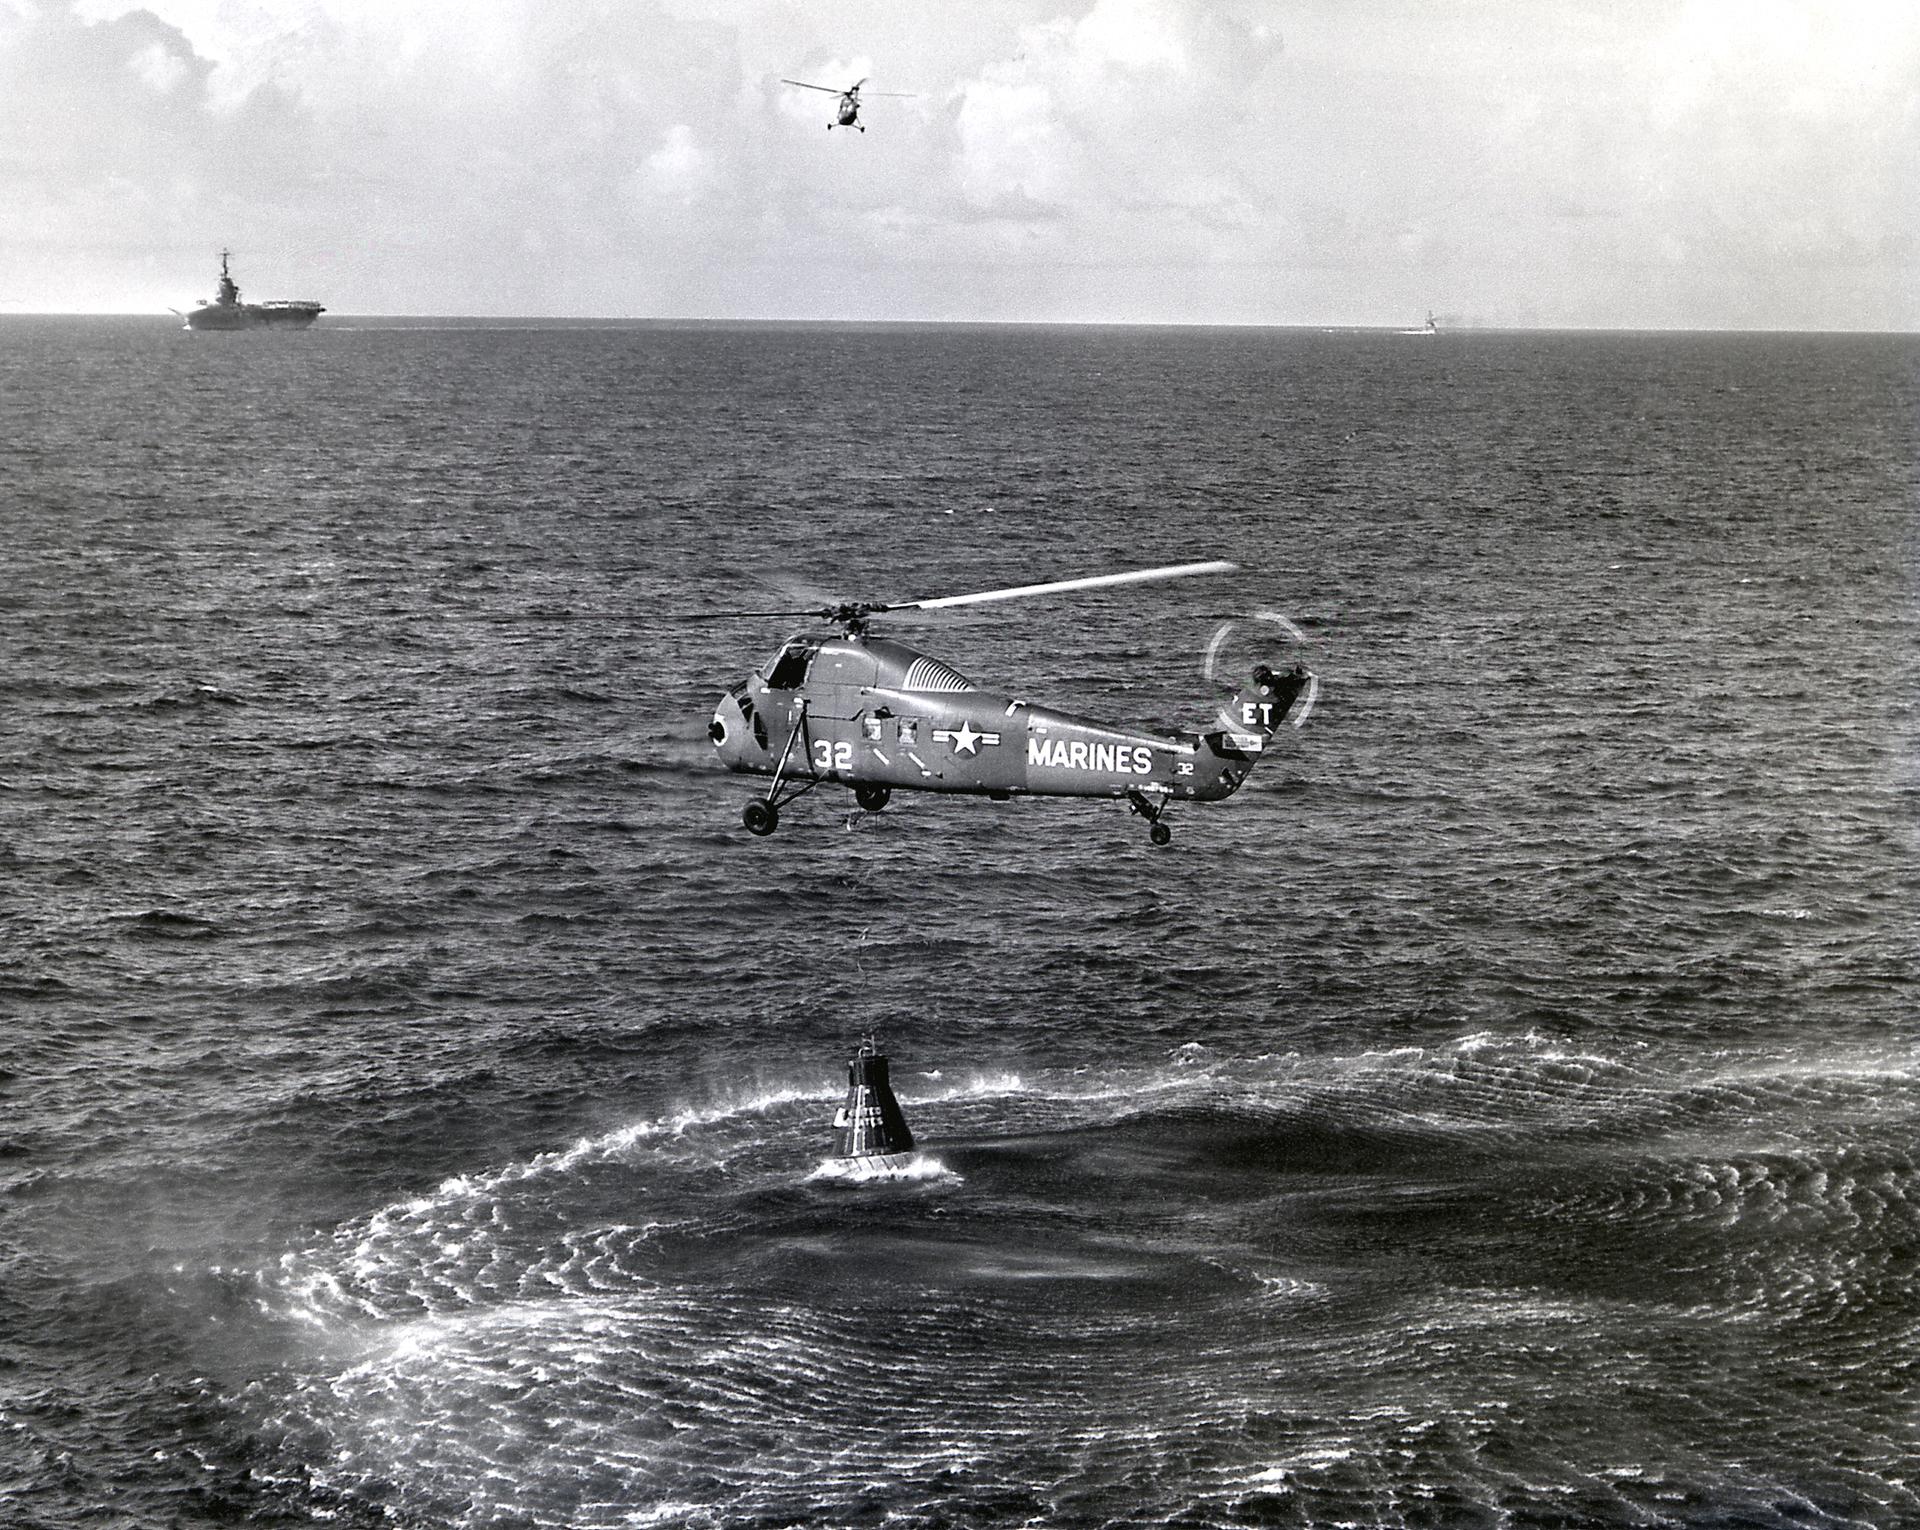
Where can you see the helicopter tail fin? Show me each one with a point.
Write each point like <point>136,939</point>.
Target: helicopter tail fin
<point>1260,706</point>
<point>1249,719</point>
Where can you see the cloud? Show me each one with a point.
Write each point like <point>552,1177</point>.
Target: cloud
<point>162,67</point>
<point>1137,107</point>
<point>680,170</point>
<point>1077,159</point>
<point>120,96</point>
<point>1016,153</point>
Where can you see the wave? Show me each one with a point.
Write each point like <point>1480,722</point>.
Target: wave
<point>170,924</point>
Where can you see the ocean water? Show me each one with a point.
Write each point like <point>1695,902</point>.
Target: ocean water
<point>415,1084</point>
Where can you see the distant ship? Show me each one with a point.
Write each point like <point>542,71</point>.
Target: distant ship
<point>1431,327</point>
<point>227,311</point>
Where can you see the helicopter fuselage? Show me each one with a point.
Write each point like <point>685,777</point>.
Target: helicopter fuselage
<point>868,712</point>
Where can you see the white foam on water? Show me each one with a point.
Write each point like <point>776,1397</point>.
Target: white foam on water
<point>670,1512</point>
<point>917,1167</point>
<point>982,1086</point>
<point>615,1144</point>
<point>447,1237</point>
<point>1287,1287</point>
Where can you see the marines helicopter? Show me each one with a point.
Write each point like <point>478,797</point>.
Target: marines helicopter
<point>848,112</point>
<point>855,709</point>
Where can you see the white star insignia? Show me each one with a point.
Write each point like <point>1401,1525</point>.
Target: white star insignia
<point>965,740</point>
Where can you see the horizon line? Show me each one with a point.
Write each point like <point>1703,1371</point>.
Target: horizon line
<point>1321,326</point>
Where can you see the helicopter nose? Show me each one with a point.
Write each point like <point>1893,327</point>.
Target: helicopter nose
<point>726,728</point>
<point>731,732</point>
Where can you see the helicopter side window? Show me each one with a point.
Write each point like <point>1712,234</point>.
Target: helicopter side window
<point>909,730</point>
<point>789,670</point>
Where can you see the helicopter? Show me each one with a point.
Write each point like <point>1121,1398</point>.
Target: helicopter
<point>848,112</point>
<point>856,709</point>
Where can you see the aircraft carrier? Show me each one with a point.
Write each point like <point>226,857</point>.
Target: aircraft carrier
<point>226,311</point>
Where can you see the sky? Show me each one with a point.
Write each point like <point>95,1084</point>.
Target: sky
<point>1750,164</point>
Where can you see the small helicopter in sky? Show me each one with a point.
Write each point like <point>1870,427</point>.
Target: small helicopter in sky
<point>858,710</point>
<point>848,112</point>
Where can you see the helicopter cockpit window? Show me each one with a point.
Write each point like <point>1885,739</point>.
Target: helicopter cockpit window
<point>788,672</point>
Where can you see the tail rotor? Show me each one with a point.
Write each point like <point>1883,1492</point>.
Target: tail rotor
<point>1271,696</point>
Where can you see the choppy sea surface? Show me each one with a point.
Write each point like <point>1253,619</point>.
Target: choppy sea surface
<point>415,1084</point>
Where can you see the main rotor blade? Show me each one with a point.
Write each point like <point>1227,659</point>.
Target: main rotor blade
<point>716,616</point>
<point>805,85</point>
<point>1096,581</point>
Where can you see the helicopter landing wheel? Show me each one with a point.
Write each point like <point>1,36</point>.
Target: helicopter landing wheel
<point>760,817</point>
<point>1139,802</point>
<point>872,798</point>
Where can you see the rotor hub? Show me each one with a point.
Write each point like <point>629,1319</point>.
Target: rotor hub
<point>852,615</point>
